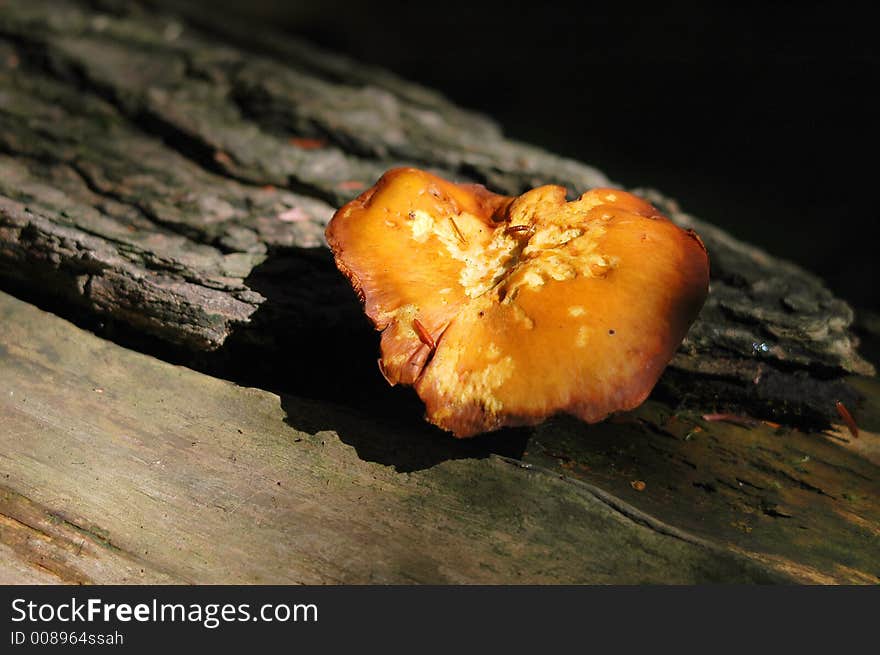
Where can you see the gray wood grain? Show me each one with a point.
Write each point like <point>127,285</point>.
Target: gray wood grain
<point>117,467</point>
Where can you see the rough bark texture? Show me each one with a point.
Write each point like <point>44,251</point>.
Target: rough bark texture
<point>166,182</point>
<point>167,176</point>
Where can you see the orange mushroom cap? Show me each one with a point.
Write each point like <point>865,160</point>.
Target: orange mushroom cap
<point>504,311</point>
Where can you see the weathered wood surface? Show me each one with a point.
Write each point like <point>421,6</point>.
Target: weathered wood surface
<point>118,467</point>
<point>176,181</point>
<point>155,187</point>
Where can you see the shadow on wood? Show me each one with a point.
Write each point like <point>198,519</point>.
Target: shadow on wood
<point>329,356</point>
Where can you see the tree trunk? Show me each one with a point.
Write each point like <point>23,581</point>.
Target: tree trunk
<point>166,182</point>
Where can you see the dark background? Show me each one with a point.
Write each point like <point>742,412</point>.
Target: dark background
<point>757,117</point>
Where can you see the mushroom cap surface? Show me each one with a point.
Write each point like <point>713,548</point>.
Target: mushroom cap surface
<point>504,311</point>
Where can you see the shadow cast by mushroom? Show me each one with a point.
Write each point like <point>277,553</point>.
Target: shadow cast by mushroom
<point>310,342</point>
<point>405,442</point>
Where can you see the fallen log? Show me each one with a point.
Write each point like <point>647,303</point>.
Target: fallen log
<point>165,182</point>
<point>157,174</point>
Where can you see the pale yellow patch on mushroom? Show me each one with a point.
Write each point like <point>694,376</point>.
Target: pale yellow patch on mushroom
<point>552,236</point>
<point>403,315</point>
<point>533,279</point>
<point>466,387</point>
<point>519,314</point>
<point>422,225</point>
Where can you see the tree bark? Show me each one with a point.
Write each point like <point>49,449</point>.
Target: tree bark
<point>166,180</point>
<point>177,180</point>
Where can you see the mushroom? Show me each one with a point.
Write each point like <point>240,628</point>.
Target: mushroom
<point>503,311</point>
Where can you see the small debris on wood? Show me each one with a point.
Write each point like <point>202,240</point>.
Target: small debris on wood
<point>351,185</point>
<point>293,215</point>
<point>848,419</point>
<point>305,143</point>
<point>222,158</point>
<point>735,419</point>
